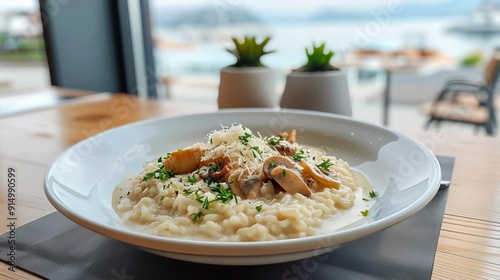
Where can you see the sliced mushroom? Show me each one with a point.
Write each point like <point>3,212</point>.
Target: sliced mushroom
<point>313,172</point>
<point>290,180</point>
<point>251,186</point>
<point>285,148</point>
<point>285,172</point>
<point>183,161</point>
<point>244,185</point>
<point>208,166</point>
<point>233,182</point>
<point>274,161</point>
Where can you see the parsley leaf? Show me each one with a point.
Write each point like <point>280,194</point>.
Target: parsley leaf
<point>192,179</point>
<point>222,193</point>
<point>373,194</point>
<point>188,192</point>
<point>298,156</point>
<point>325,165</point>
<point>197,216</point>
<point>255,150</point>
<point>245,137</point>
<point>364,213</point>
<point>160,173</point>
<point>258,208</point>
<point>148,176</point>
<point>274,140</point>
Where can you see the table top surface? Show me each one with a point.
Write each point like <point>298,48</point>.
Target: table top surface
<point>397,62</point>
<point>469,243</point>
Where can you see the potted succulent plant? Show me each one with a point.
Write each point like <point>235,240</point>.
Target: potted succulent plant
<point>247,83</point>
<point>318,85</point>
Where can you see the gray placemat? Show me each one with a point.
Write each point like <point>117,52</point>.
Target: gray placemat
<point>56,248</point>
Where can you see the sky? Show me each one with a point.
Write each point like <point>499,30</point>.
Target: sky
<point>293,5</point>
<point>297,6</point>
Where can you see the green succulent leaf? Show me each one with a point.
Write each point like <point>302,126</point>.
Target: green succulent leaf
<point>248,52</point>
<point>318,60</point>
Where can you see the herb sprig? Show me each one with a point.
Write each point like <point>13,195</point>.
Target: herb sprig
<point>221,192</point>
<point>160,173</point>
<point>298,156</point>
<point>325,165</point>
<point>372,194</point>
<point>245,137</point>
<point>274,140</point>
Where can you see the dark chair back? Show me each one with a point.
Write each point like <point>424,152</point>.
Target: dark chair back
<point>452,103</point>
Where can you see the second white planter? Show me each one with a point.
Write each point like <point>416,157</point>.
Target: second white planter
<point>326,91</point>
<point>247,87</point>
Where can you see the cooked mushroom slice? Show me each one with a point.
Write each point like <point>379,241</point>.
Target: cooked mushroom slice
<point>243,185</point>
<point>316,174</point>
<point>183,161</point>
<point>216,168</point>
<point>233,182</point>
<point>274,161</point>
<point>251,186</point>
<point>285,148</point>
<point>290,180</point>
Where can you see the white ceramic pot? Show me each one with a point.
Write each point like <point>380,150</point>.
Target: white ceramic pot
<point>326,91</point>
<point>247,87</point>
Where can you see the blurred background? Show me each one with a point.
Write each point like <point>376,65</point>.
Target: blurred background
<point>190,38</point>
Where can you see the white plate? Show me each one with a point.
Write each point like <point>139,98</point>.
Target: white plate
<point>81,181</point>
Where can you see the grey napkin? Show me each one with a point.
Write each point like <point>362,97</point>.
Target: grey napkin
<point>56,248</point>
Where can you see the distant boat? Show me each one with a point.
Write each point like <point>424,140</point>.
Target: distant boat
<point>484,21</point>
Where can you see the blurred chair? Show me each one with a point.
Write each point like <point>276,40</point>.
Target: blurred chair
<point>468,102</point>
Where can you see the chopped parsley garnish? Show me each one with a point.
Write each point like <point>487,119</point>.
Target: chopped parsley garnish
<point>258,208</point>
<point>162,197</point>
<point>222,193</point>
<point>188,191</point>
<point>245,137</point>
<point>364,213</point>
<point>298,156</point>
<point>283,172</point>
<point>274,141</point>
<point>373,194</point>
<point>256,151</point>
<point>160,174</point>
<point>197,216</point>
<point>205,204</point>
<point>192,179</point>
<point>215,167</point>
<point>148,176</point>
<point>325,165</point>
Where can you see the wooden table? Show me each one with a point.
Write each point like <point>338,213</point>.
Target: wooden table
<point>469,244</point>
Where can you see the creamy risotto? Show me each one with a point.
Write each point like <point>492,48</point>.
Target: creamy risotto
<point>241,186</point>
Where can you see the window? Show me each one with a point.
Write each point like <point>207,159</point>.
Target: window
<point>191,36</point>
<point>22,49</point>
